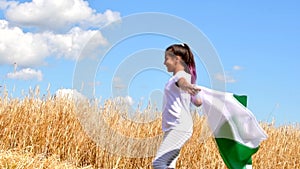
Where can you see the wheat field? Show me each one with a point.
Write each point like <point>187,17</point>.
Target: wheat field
<point>47,132</point>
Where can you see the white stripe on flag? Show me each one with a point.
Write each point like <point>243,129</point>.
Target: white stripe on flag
<point>236,131</point>
<point>222,107</point>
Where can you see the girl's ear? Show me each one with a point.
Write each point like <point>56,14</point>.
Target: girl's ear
<point>178,58</point>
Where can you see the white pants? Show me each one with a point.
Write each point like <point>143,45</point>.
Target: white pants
<point>169,149</point>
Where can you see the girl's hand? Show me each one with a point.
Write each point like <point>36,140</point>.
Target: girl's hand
<point>196,100</point>
<point>193,89</point>
<point>188,87</point>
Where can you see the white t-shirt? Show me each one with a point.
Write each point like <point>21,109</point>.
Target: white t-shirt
<point>176,105</point>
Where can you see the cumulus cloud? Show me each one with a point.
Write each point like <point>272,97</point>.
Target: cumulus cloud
<point>70,94</point>
<point>26,74</point>
<point>27,49</point>
<point>33,31</point>
<point>70,45</point>
<point>57,15</point>
<point>4,4</point>
<point>31,49</point>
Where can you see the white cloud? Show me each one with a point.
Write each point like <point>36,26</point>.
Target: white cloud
<point>127,100</point>
<point>70,45</point>
<point>236,67</point>
<point>118,83</point>
<point>26,74</point>
<point>31,49</point>
<point>226,77</point>
<point>64,28</point>
<point>4,4</point>
<point>70,94</point>
<point>58,15</point>
<point>27,49</point>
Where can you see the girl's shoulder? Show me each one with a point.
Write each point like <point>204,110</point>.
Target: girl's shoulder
<point>181,74</point>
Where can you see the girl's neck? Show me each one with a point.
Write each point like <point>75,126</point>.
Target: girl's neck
<point>177,70</point>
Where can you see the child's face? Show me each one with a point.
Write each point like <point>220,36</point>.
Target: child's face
<point>170,62</point>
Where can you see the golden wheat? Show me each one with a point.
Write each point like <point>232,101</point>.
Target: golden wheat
<point>52,133</point>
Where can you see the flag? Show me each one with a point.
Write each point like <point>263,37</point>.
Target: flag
<point>236,130</point>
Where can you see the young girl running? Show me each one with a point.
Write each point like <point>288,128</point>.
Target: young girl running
<point>177,122</point>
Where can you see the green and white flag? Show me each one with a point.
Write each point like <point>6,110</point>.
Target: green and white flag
<point>236,130</point>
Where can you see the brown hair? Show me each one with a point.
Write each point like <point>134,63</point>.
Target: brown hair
<point>184,51</point>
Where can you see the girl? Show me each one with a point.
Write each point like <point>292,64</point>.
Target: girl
<point>179,91</point>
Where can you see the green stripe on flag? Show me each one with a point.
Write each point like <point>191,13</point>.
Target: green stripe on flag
<point>234,154</point>
<point>242,99</point>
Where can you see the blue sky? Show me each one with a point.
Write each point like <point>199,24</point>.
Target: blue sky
<point>257,44</point>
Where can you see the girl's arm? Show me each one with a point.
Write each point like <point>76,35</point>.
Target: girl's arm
<point>191,89</point>
<point>186,86</point>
